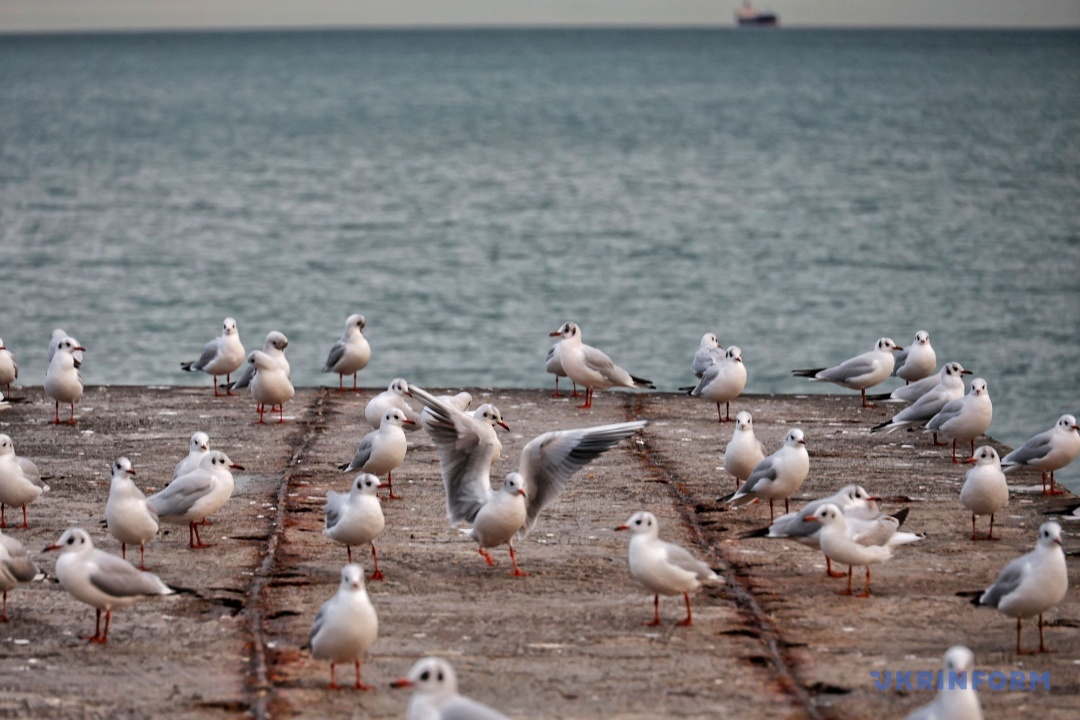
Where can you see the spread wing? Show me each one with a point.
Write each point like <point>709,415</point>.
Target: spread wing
<point>121,579</point>
<point>465,456</point>
<point>181,494</point>
<point>549,460</point>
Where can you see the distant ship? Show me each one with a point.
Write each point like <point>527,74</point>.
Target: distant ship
<point>748,16</point>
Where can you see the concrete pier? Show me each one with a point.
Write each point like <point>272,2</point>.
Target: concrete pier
<point>775,642</point>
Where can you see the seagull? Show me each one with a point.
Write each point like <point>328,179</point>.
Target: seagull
<point>461,401</point>
<point>956,698</point>
<point>356,517</point>
<point>57,335</point>
<point>16,567</point>
<point>381,451</point>
<point>274,346</point>
<point>351,353</point>
<point>778,476</point>
<point>1031,584</point>
<point>722,382</point>
<point>9,369</point>
<point>270,385</point>
<point>591,368</point>
<point>964,419</point>
<point>435,695</point>
<point>221,356</point>
<point>910,393</point>
<point>553,365</point>
<point>198,446</point>
<point>709,352</point>
<point>191,497</point>
<point>985,490</point>
<point>392,397</point>
<point>917,360</point>
<point>839,545</point>
<point>950,387</point>
<point>20,481</point>
<point>744,451</point>
<point>662,567</point>
<point>346,625</point>
<point>63,381</point>
<point>860,372</point>
<point>128,514</point>
<point>1048,451</point>
<point>101,580</point>
<point>547,463</point>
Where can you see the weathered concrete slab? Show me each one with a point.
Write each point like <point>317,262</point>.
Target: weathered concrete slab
<point>565,642</point>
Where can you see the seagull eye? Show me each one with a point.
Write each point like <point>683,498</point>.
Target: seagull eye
<point>439,677</point>
<point>424,677</point>
<point>71,541</point>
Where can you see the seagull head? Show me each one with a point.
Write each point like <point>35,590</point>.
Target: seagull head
<point>122,468</point>
<point>490,414</point>
<point>887,345</point>
<point>430,675</point>
<point>228,327</point>
<point>200,442</point>
<point>513,484</point>
<point>1050,534</point>
<point>366,484</point>
<point>641,523</point>
<point>73,540</point>
<point>352,578</point>
<point>744,421</point>
<point>984,455</point>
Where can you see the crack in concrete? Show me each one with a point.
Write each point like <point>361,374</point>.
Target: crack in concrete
<point>765,630</point>
<point>261,689</point>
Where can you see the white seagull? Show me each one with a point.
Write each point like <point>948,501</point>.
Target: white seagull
<point>435,694</point>
<point>1031,584</point>
<point>63,381</point>
<point>381,451</point>
<point>1048,451</point>
<point>956,698</point>
<point>662,567</point>
<point>392,397</point>
<point>190,498</point>
<point>20,481</point>
<point>274,346</point>
<point>16,566</point>
<point>777,477</point>
<point>9,369</point>
<point>356,517</point>
<point>198,446</point>
<point>130,517</point>
<point>346,625</point>
<point>221,356</point>
<point>351,353</point>
<point>709,352</point>
<point>722,382</point>
<point>547,463</point>
<point>985,490</point>
<point>101,580</point>
<point>917,360</point>
<point>950,387</point>
<point>840,546</point>
<point>744,451</point>
<point>964,419</point>
<point>553,365</point>
<point>57,335</point>
<point>591,368</point>
<point>860,372</point>
<point>270,386</point>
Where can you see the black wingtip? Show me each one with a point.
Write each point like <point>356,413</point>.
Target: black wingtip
<point>972,595</point>
<point>643,383</point>
<point>1066,510</point>
<point>726,498</point>
<point>880,426</point>
<point>902,515</point>
<point>344,467</point>
<point>879,396</point>
<point>809,372</point>
<point>761,532</point>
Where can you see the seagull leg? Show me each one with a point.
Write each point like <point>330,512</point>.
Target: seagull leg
<point>829,571</point>
<point>556,393</point>
<point>1018,650</point>
<point>390,486</point>
<point>1042,645</point>
<point>3,521</point>
<point>689,619</point>
<point>98,637</point>
<point>938,444</point>
<point>194,541</point>
<point>864,403</point>
<point>588,400</point>
<point>359,685</point>
<point>123,550</point>
<point>333,683</point>
<point>1053,490</point>
<point>787,506</point>
<point>719,415</point>
<point>354,388</point>
<point>71,417</point>
<point>954,460</point>
<point>348,550</point>
<point>656,612</point>
<point>260,409</point>
<point>771,515</point>
<point>482,551</point>
<point>142,556</point>
<point>25,525</point>
<point>377,575</point>
<point>990,535</point>
<point>866,590</point>
<point>575,393</point>
<point>281,413</point>
<point>228,382</point>
<point>727,410</point>
<point>850,570</point>
<point>56,421</point>
<point>216,393</point>
<point>3,613</point>
<point>517,572</point>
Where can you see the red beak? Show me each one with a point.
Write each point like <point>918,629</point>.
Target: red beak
<point>505,426</point>
<point>554,333</point>
<point>403,682</point>
<point>80,347</point>
<point>810,518</point>
<point>54,546</point>
<point>969,461</point>
<point>234,466</point>
<point>623,527</point>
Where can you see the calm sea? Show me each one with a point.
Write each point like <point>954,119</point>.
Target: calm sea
<point>800,193</point>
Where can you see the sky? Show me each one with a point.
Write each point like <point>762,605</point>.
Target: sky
<point>64,15</point>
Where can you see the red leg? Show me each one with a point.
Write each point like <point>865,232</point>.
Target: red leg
<point>71,417</point>
<point>354,388</point>
<point>866,589</point>
<point>25,524</point>
<point>482,551</point>
<point>849,572</point>
<point>260,409</point>
<point>142,556</point>
<point>656,612</point>
<point>556,393</point>
<point>333,683</point>
<point>689,620</point>
<point>1042,645</point>
<point>771,516</point>
<point>123,550</point>
<point>517,572</point>
<point>990,535</point>
<point>1053,490</point>
<point>57,420</point>
<point>727,410</point>
<point>377,575</point>
<point>864,403</point>
<point>216,393</point>
<point>228,382</point>
<point>954,460</point>
<point>281,413</point>
<point>787,506</point>
<point>3,612</point>
<point>3,520</point>
<point>359,685</point>
<point>719,415</point>
<point>390,486</point>
<point>194,541</point>
<point>576,393</point>
<point>938,443</point>
<point>348,550</point>
<point>829,571</point>
<point>587,405</point>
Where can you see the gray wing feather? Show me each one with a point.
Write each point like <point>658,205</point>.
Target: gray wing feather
<point>1034,449</point>
<point>550,460</point>
<point>1008,580</point>
<point>19,564</point>
<point>246,377</point>
<point>209,352</point>
<point>30,470</point>
<point>901,358</point>
<point>121,579</point>
<point>874,532</point>
<point>947,413</point>
<point>335,355</point>
<point>681,557</point>
<point>334,502</point>
<point>855,367</point>
<point>317,624</point>
<point>181,494</point>
<point>765,471</point>
<point>464,458</point>
<point>363,453</point>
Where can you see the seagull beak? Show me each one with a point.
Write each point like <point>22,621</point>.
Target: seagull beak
<point>521,491</point>
<point>234,466</point>
<point>554,333</point>
<point>54,546</point>
<point>875,498</point>
<point>403,682</point>
<point>1057,541</point>
<point>810,518</point>
<point>79,347</point>
<point>623,527</point>
<point>203,447</point>
<point>356,585</point>
<point>504,426</point>
<point>738,359</point>
<point>408,422</point>
<point>802,442</point>
<point>130,471</point>
<point>970,461</point>
<point>965,372</point>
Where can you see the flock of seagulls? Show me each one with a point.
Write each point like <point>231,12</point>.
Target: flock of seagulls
<point>848,527</point>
